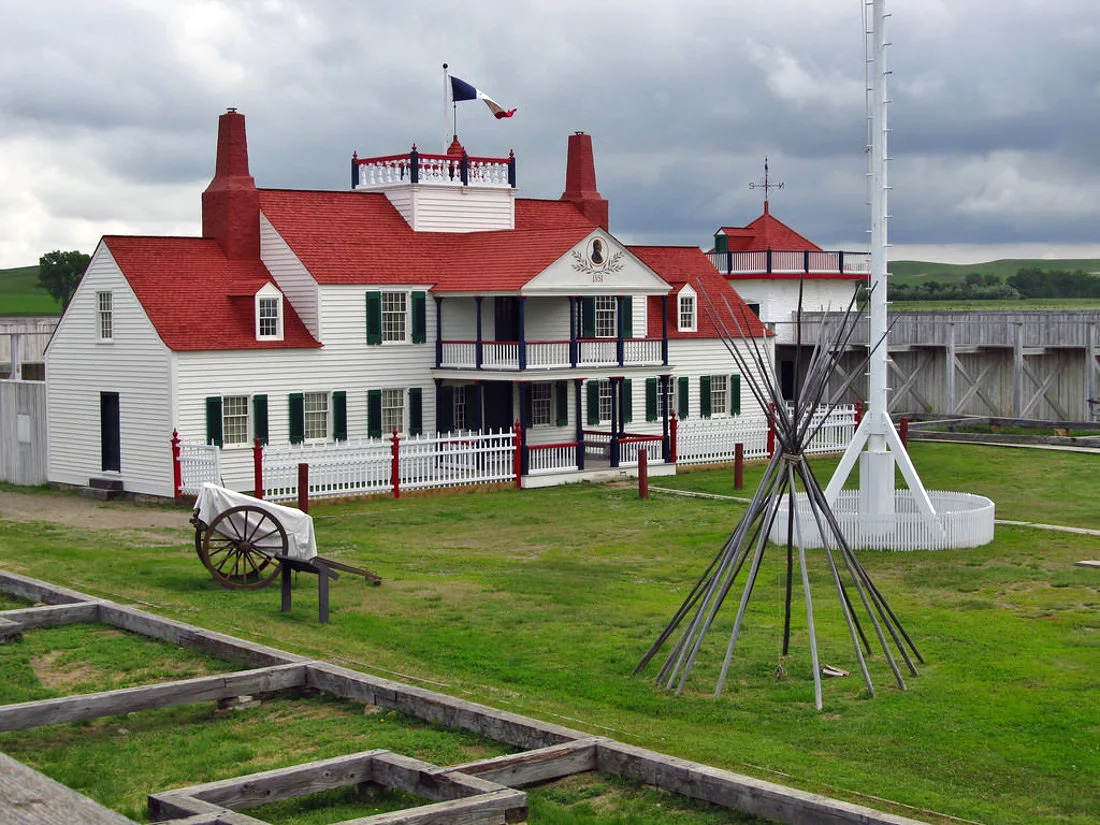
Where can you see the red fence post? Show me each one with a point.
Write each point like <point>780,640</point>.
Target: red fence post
<point>738,466</point>
<point>771,429</point>
<point>517,454</point>
<point>395,464</point>
<point>672,438</point>
<point>303,487</point>
<point>905,433</point>
<point>257,468</point>
<point>859,412</point>
<point>177,471</point>
<point>643,474</point>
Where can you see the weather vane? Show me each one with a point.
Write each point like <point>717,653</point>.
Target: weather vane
<point>766,185</point>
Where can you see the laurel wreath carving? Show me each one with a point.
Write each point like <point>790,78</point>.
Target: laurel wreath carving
<point>582,265</point>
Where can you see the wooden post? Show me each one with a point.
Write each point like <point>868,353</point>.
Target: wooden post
<point>257,468</point>
<point>672,437</point>
<point>904,433</point>
<point>739,466</point>
<point>303,487</point>
<point>643,474</point>
<point>859,412</point>
<point>517,455</point>
<point>395,464</point>
<point>177,471</point>
<point>771,429</point>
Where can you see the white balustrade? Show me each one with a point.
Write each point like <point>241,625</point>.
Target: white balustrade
<point>383,171</point>
<point>788,262</point>
<point>642,351</point>
<point>598,353</point>
<point>461,354</point>
<point>631,446</point>
<point>500,355</point>
<point>546,354</point>
<point>551,458</point>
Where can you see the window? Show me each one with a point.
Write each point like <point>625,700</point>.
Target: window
<point>605,401</point>
<point>394,306</point>
<point>541,404</point>
<point>235,420</point>
<point>687,310</point>
<point>719,395</point>
<point>316,415</point>
<point>393,411</point>
<point>459,408</point>
<point>606,316</point>
<point>664,399</point>
<point>104,316</point>
<point>268,318</point>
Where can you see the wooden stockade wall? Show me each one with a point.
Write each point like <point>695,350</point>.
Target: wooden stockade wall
<point>23,432</point>
<point>478,792</point>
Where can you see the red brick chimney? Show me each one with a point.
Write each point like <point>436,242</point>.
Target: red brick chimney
<point>580,180</point>
<point>231,204</point>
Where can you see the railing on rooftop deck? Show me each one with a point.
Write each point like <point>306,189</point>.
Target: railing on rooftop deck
<point>590,352</point>
<point>449,170</point>
<point>791,262</point>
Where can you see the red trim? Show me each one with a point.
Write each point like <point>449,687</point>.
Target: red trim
<point>637,439</point>
<point>257,469</point>
<point>794,276</point>
<point>551,446</point>
<point>517,455</point>
<point>177,471</point>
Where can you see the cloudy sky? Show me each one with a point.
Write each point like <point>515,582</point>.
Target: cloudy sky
<point>108,111</point>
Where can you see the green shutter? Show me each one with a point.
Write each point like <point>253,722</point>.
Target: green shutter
<point>416,411</point>
<point>297,405</point>
<point>340,416</point>
<point>419,317</point>
<point>682,397</point>
<point>721,243</point>
<point>214,420</point>
<point>735,395</point>
<point>374,317</point>
<point>594,402</point>
<point>588,317</point>
<point>259,417</point>
<point>651,399</point>
<point>374,413</point>
<point>445,408</point>
<point>704,396</point>
<point>628,316</point>
<point>628,402</point>
<point>561,403</point>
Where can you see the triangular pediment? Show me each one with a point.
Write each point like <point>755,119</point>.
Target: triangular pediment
<point>599,264</point>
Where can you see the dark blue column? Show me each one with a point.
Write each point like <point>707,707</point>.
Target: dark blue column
<point>438,331</point>
<point>578,407</point>
<point>619,329</point>
<point>522,336</point>
<point>477,346</point>
<point>664,330</point>
<point>475,407</point>
<point>573,346</point>
<point>662,388</point>
<point>525,421</point>
<point>616,396</point>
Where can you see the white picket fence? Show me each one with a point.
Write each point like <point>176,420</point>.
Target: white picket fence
<point>714,440</point>
<point>365,467</point>
<point>199,463</point>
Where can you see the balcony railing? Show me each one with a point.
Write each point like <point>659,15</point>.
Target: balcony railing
<point>539,355</point>
<point>791,262</point>
<point>449,170</point>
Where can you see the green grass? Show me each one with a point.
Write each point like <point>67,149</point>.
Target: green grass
<point>1024,304</point>
<point>542,601</point>
<point>21,295</point>
<point>915,272</point>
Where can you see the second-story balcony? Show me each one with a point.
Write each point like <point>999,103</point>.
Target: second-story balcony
<point>546,355</point>
<point>763,263</point>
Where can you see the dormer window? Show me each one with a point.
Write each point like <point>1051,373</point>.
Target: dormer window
<point>269,314</point>
<point>688,310</point>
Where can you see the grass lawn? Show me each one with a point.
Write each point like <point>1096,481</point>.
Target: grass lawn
<point>542,601</point>
<point>20,293</point>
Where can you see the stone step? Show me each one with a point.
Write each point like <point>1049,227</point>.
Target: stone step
<point>106,484</point>
<point>99,493</point>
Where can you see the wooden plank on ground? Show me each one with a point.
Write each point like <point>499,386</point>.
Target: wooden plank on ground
<point>498,808</point>
<point>39,591</point>
<point>517,770</point>
<point>501,726</point>
<point>9,630</point>
<point>175,805</point>
<point>29,798</point>
<point>186,691</point>
<point>54,615</point>
<point>730,790</point>
<point>1087,563</point>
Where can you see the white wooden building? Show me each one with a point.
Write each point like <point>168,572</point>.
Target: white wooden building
<point>427,298</point>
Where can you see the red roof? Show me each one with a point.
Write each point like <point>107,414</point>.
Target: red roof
<point>766,232</point>
<point>184,285</point>
<point>680,265</point>
<point>360,238</point>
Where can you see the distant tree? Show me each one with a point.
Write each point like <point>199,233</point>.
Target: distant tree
<point>59,273</point>
<point>973,278</point>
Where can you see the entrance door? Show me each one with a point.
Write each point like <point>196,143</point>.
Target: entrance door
<point>498,405</point>
<point>110,439</point>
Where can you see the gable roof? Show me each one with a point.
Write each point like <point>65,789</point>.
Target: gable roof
<point>196,298</point>
<point>360,238</point>
<point>766,232</point>
<point>680,265</point>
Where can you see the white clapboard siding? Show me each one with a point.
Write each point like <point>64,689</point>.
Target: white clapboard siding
<point>135,364</point>
<point>778,300</point>
<point>429,208</point>
<point>293,279</point>
<point>23,432</point>
<point>695,357</point>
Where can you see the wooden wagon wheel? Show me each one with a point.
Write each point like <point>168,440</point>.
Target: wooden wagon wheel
<point>238,546</point>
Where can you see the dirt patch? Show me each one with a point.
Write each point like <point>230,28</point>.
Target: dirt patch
<point>52,675</point>
<point>75,511</point>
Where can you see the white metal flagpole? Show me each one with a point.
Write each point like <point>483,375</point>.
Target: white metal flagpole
<point>446,101</point>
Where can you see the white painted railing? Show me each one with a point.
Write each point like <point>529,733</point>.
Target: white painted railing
<point>597,444</point>
<point>642,351</point>
<point>199,463</point>
<point>500,355</point>
<point>598,352</point>
<point>546,354</point>
<point>785,261</point>
<point>457,459</point>
<point>551,458</point>
<point>713,440</point>
<point>788,262</point>
<point>504,355</point>
<point>459,354</point>
<point>630,446</point>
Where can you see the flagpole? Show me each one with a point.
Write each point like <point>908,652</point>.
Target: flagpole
<point>446,140</point>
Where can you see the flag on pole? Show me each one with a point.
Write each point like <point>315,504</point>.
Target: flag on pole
<point>461,90</point>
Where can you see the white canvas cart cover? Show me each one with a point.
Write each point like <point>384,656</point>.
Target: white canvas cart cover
<point>214,500</point>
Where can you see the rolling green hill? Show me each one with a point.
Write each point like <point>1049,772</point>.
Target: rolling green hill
<point>21,295</point>
<point>915,272</point>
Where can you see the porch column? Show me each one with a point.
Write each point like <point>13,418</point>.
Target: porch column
<point>475,407</point>
<point>438,402</point>
<point>522,339</point>
<point>950,407</point>
<point>619,329</point>
<point>663,387</point>
<point>616,399</point>
<point>578,403</point>
<point>477,346</point>
<point>573,331</point>
<point>438,331</point>
<point>525,421</point>
<point>664,330</point>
